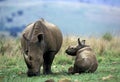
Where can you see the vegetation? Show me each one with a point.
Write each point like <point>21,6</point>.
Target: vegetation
<point>107,36</point>
<point>13,67</point>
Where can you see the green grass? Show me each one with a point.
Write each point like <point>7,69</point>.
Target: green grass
<point>13,67</point>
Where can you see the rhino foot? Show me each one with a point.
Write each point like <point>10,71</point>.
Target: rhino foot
<point>47,72</point>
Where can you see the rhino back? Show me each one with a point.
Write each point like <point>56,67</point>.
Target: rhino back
<point>53,36</point>
<point>86,60</point>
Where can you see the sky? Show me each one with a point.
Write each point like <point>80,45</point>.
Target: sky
<point>80,17</point>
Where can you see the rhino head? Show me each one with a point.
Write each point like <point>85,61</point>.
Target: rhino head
<point>35,49</point>
<point>72,50</point>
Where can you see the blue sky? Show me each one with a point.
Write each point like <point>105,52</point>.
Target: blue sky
<point>72,18</point>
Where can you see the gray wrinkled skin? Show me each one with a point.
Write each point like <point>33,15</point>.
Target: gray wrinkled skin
<point>85,60</point>
<point>40,42</point>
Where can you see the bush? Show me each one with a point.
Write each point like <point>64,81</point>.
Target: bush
<point>107,36</point>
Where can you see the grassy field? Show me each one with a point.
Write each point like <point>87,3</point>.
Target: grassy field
<point>107,49</point>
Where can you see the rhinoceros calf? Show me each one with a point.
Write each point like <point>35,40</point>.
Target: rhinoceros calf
<point>40,42</point>
<point>85,60</point>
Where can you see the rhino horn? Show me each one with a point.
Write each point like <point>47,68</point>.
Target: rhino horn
<point>27,61</point>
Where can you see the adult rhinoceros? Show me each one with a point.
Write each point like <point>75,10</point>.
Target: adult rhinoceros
<point>40,42</point>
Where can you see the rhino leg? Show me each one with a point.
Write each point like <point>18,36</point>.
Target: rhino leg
<point>48,59</point>
<point>77,69</point>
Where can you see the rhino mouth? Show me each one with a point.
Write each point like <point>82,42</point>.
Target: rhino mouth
<point>30,74</point>
<point>67,51</point>
<point>72,53</point>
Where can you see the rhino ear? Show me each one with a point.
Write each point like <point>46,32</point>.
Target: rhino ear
<point>37,38</point>
<point>83,42</point>
<point>25,37</point>
<point>40,37</point>
<point>79,43</point>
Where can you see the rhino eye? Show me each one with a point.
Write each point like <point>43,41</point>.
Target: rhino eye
<point>26,51</point>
